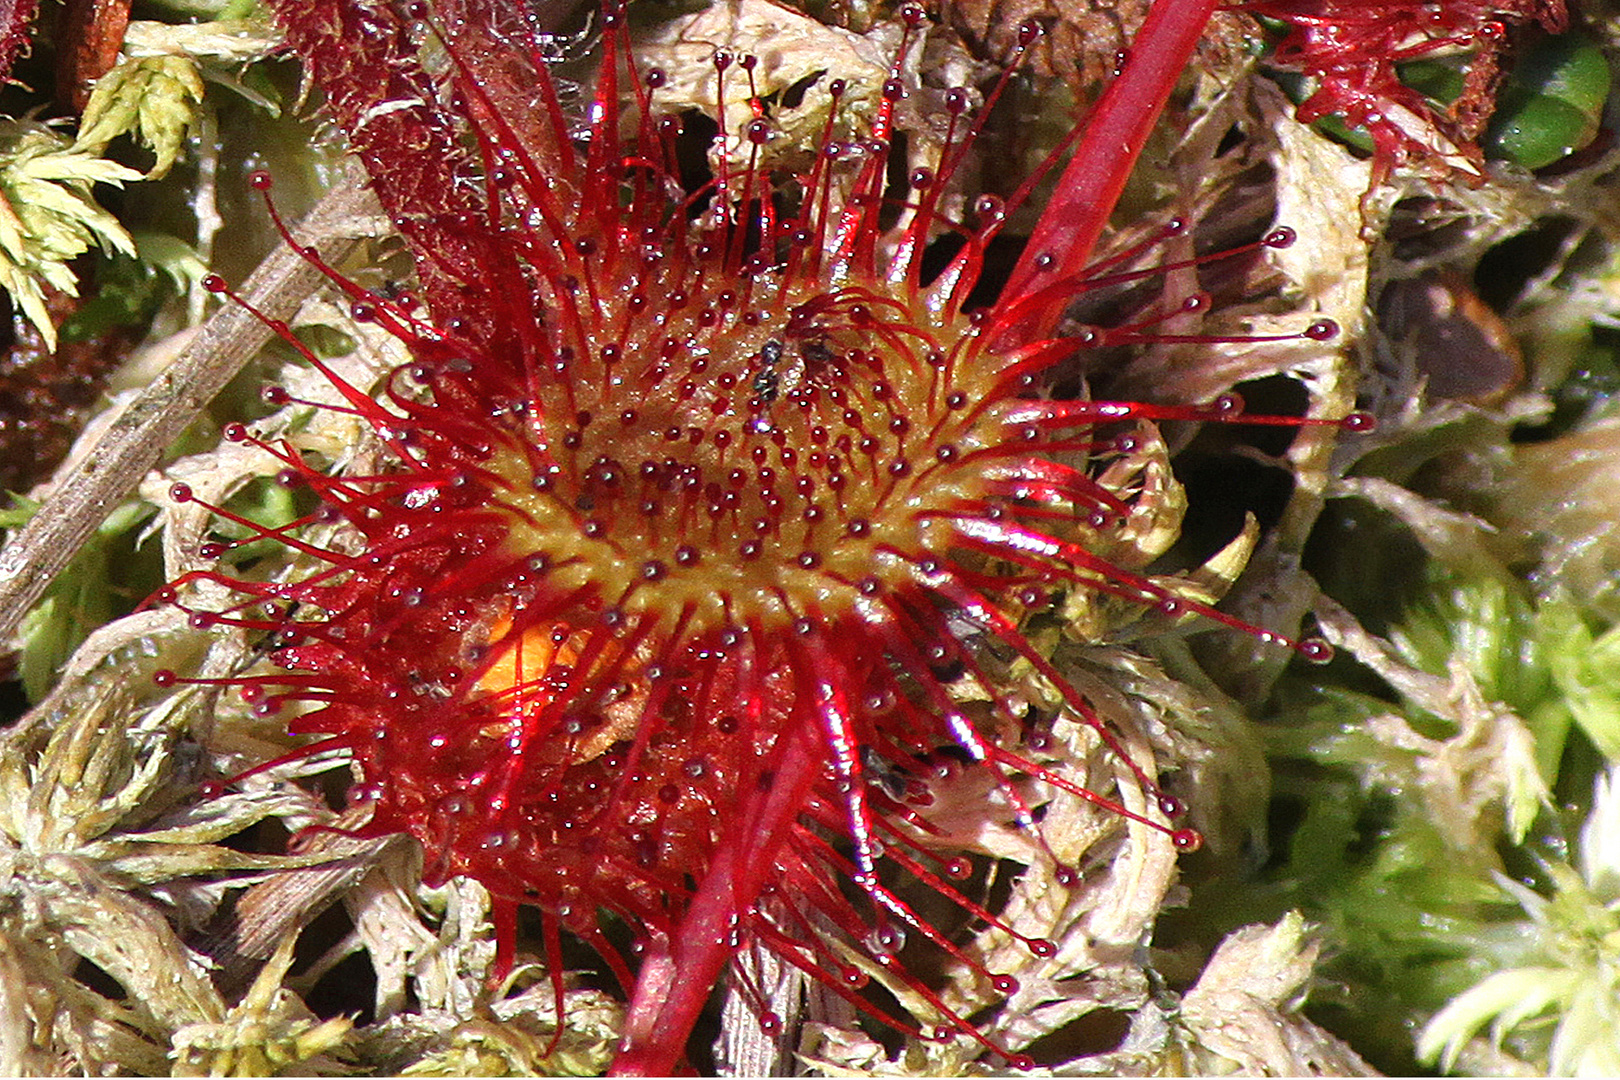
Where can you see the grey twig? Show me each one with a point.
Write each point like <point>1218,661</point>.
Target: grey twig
<point>744,1049</point>
<point>135,441</point>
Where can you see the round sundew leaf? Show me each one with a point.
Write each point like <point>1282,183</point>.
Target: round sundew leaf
<point>489,625</point>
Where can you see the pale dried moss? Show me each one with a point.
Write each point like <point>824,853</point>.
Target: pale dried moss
<point>108,864</point>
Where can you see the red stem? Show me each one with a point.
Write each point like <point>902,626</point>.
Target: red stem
<point>1116,131</point>
<point>677,975</point>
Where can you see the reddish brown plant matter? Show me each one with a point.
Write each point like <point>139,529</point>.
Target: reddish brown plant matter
<point>696,500</point>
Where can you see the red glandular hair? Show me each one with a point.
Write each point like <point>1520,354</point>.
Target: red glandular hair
<point>1353,48</point>
<point>694,504</point>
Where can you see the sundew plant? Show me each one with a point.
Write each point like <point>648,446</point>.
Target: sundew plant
<point>762,539</point>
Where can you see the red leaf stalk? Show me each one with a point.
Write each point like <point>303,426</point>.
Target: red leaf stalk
<point>1114,135</point>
